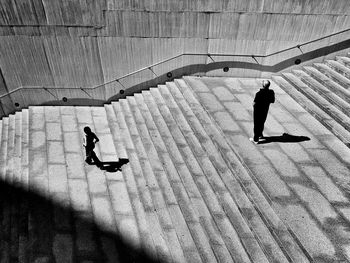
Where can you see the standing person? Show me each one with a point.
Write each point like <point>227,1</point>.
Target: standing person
<point>261,105</point>
<point>90,139</point>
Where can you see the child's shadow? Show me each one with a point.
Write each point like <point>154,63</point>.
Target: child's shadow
<point>113,167</point>
<point>285,138</point>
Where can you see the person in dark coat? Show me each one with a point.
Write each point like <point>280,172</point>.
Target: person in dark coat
<point>261,105</point>
<point>90,139</point>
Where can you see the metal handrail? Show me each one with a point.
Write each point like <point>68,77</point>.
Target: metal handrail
<point>174,57</point>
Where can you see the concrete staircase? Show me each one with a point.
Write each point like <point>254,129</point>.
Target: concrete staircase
<point>323,90</point>
<point>195,188</point>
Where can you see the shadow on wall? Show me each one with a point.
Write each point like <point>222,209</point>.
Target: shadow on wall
<point>183,71</point>
<point>203,68</point>
<point>36,229</point>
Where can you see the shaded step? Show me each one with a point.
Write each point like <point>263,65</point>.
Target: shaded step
<point>245,179</point>
<point>195,244</point>
<point>314,110</point>
<point>16,180</point>
<point>108,195</point>
<point>214,171</point>
<point>147,183</point>
<point>11,209</point>
<point>3,149</point>
<point>0,132</point>
<point>157,121</point>
<point>127,206</point>
<point>325,93</point>
<point>138,191</point>
<point>6,206</point>
<point>336,114</point>
<point>89,193</point>
<point>196,180</point>
<point>40,225</point>
<point>203,249</point>
<point>24,208</point>
<point>62,241</point>
<point>332,74</point>
<point>331,85</point>
<point>4,209</point>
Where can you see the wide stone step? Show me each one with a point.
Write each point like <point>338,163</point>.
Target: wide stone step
<point>334,75</point>
<point>220,96</point>
<point>245,179</point>
<point>325,93</point>
<point>176,171</point>
<point>314,110</point>
<point>326,106</point>
<point>214,171</point>
<point>90,192</point>
<point>344,60</point>
<point>160,218</point>
<point>10,226</point>
<point>127,203</point>
<point>338,67</point>
<point>328,83</point>
<point>142,237</point>
<point>0,132</point>
<point>201,188</point>
<point>24,178</point>
<point>180,181</point>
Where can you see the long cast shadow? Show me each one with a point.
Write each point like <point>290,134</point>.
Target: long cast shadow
<point>113,167</point>
<point>284,138</point>
<point>36,228</point>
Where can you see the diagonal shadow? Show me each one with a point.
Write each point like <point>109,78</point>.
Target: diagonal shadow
<point>203,68</point>
<point>35,228</point>
<point>284,138</point>
<point>113,167</point>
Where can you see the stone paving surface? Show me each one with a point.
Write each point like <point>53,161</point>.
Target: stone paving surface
<point>307,182</point>
<point>194,189</point>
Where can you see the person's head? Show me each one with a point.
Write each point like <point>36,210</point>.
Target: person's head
<point>266,84</point>
<point>87,130</point>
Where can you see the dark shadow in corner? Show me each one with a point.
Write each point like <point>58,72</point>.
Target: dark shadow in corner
<point>113,167</point>
<point>37,228</point>
<point>285,138</point>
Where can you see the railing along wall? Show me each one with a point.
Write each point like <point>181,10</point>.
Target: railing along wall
<point>93,95</point>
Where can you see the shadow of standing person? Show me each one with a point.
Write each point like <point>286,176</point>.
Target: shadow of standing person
<point>89,141</point>
<point>284,138</point>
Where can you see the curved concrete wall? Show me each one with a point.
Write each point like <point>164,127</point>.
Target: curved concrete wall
<point>85,43</point>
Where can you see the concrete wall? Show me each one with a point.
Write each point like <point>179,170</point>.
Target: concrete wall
<point>80,43</point>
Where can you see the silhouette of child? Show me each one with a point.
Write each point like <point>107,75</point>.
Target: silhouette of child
<point>261,105</point>
<point>89,141</point>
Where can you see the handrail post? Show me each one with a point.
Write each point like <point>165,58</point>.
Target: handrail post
<point>83,90</point>
<point>117,80</point>
<point>253,57</point>
<point>150,68</point>
<point>299,47</point>
<point>211,57</point>
<point>46,89</point>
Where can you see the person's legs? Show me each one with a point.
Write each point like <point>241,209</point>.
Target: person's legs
<point>258,129</point>
<point>260,116</point>
<point>88,151</point>
<point>258,124</point>
<point>94,157</point>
